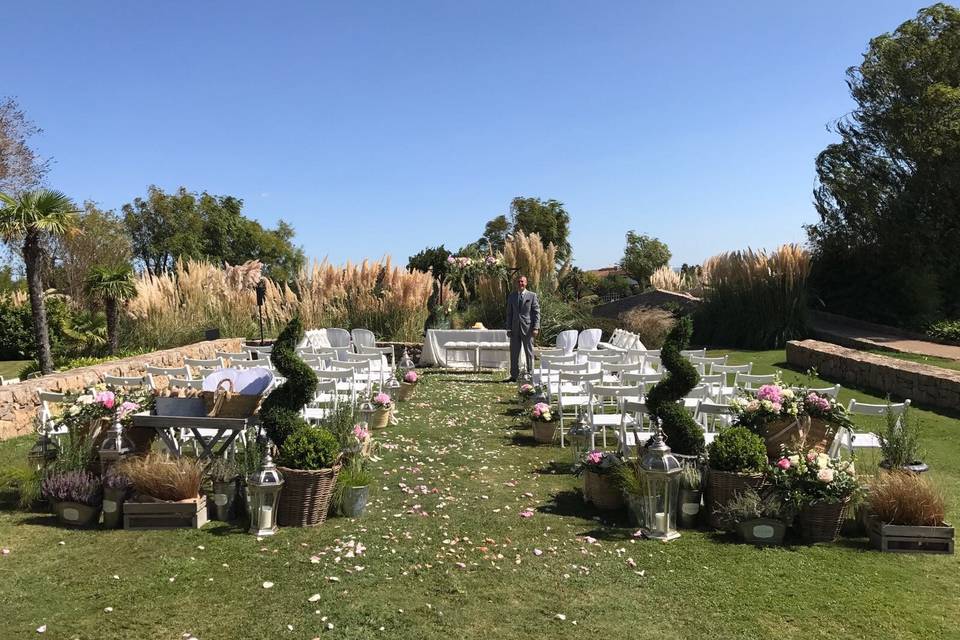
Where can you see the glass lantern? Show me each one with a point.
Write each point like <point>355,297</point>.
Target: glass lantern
<point>263,494</point>
<point>44,451</point>
<point>524,378</point>
<point>391,387</point>
<point>579,435</point>
<point>660,473</point>
<point>406,363</point>
<point>115,447</point>
<point>366,412</point>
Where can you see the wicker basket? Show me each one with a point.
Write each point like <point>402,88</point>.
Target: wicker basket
<point>821,522</point>
<point>406,391</point>
<point>602,491</point>
<point>224,403</point>
<point>380,418</point>
<point>305,496</point>
<point>544,432</point>
<point>814,433</point>
<point>722,486</point>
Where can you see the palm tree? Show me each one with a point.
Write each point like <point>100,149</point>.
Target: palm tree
<point>114,285</point>
<point>29,217</point>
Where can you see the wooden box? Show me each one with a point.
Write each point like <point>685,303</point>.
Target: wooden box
<point>187,514</point>
<point>902,539</point>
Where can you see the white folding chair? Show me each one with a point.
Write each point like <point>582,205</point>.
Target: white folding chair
<point>557,370</point>
<point>265,349</point>
<point>170,372</point>
<point>695,396</point>
<point>211,363</point>
<point>830,392</point>
<point>325,402</point>
<point>129,382</point>
<point>572,394</point>
<point>596,360</point>
<point>386,355</point>
<point>643,381</point>
<point>234,359</point>
<point>848,439</point>
<point>601,399</point>
<point>338,337</point>
<point>588,339</point>
<point>614,342</point>
<point>632,438</point>
<point>713,416</point>
<point>344,383</point>
<point>183,383</point>
<point>567,340</point>
<point>687,353</point>
<point>750,381</point>
<point>8,381</point>
<point>362,377</point>
<point>376,371</point>
<point>714,382</point>
<point>47,416</point>
<point>613,371</point>
<point>363,338</point>
<point>708,362</point>
<point>545,374</point>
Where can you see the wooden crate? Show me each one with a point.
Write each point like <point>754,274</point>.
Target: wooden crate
<point>901,539</point>
<point>189,514</point>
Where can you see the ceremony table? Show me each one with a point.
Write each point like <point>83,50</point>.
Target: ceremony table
<point>474,348</point>
<point>213,435</point>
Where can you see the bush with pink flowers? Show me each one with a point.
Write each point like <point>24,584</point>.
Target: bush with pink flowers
<point>813,478</point>
<point>541,413</point>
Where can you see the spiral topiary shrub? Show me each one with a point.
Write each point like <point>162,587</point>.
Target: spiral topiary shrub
<point>280,412</point>
<point>683,433</point>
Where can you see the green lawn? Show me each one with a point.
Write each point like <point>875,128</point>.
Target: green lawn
<point>945,363</point>
<point>447,555</point>
<point>11,368</point>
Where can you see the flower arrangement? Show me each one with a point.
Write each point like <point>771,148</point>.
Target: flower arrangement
<point>382,401</point>
<point>771,402</point>
<point>599,462</point>
<point>73,486</point>
<point>541,413</point>
<point>813,478</point>
<point>825,408</point>
<point>102,403</point>
<point>528,390</point>
<point>411,377</point>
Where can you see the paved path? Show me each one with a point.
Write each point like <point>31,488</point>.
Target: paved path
<point>883,338</point>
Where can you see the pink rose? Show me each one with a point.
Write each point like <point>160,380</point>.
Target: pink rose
<point>825,476</point>
<point>106,398</point>
<point>128,407</point>
<point>360,432</point>
<point>811,455</point>
<point>410,376</point>
<point>595,457</point>
<point>783,463</point>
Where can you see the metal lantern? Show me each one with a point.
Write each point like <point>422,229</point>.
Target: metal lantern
<point>524,378</point>
<point>115,447</point>
<point>263,494</point>
<point>579,435</point>
<point>406,363</point>
<point>366,412</point>
<point>391,387</point>
<point>44,451</point>
<point>660,473</point>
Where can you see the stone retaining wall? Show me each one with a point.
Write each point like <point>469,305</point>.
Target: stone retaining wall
<point>922,383</point>
<point>19,405</point>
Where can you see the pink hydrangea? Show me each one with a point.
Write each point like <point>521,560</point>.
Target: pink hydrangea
<point>106,398</point>
<point>818,402</point>
<point>381,399</point>
<point>783,463</point>
<point>595,457</point>
<point>410,376</point>
<point>128,408</point>
<point>540,408</point>
<point>770,392</point>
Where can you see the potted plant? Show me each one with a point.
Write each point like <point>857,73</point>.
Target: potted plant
<point>823,418</point>
<point>116,490</point>
<point>76,497</point>
<point>818,489</point>
<point>600,479</point>
<point>636,493</point>
<point>759,520</point>
<point>772,412</point>
<point>544,423</point>
<point>309,461</point>
<point>900,443</point>
<point>382,407</point>
<point>408,385</point>
<point>737,458</point>
<point>353,482</point>
<point>224,476</point>
<point>250,458</point>
<point>690,496</point>
<point>166,493</point>
<point>905,513</point>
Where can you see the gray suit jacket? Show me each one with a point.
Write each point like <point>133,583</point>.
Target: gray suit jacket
<point>523,313</point>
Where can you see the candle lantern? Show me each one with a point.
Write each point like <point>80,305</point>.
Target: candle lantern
<point>406,363</point>
<point>263,491</point>
<point>44,451</point>
<point>366,412</point>
<point>660,471</point>
<point>579,435</point>
<point>391,387</point>
<point>115,447</point>
<point>524,378</point>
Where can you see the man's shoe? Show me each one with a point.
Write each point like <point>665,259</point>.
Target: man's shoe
<point>509,380</point>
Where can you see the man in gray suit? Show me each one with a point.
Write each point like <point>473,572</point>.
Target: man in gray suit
<point>523,325</point>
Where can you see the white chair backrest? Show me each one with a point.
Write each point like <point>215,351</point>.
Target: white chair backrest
<point>233,357</point>
<point>136,382</point>
<point>567,340</point>
<point>313,360</point>
<point>747,381</point>
<point>252,348</point>
<point>569,367</point>
<point>713,380</point>
<point>8,381</point>
<point>702,353</point>
<point>338,337</point>
<point>864,409</point>
<point>213,363</point>
<point>715,408</point>
<point>708,362</point>
<point>363,338</point>
<point>830,392</point>
<point>183,383</point>
<point>620,368</point>
<point>600,392</point>
<point>726,369</point>
<point>588,339</point>
<point>170,372</point>
<point>644,380</point>
<point>635,407</point>
<point>701,391</point>
<point>549,351</point>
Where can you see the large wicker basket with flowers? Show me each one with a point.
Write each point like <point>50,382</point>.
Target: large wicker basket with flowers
<point>408,385</point>
<point>544,423</point>
<point>600,485</point>
<point>309,462</point>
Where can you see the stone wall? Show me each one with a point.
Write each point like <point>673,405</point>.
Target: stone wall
<point>922,383</point>
<point>19,405</point>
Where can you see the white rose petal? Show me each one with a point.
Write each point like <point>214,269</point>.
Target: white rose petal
<point>315,597</point>
<point>267,585</point>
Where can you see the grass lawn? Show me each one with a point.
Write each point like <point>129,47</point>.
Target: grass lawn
<point>945,363</point>
<point>11,368</point>
<point>447,555</point>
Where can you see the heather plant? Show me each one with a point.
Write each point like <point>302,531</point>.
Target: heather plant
<point>682,432</point>
<point>73,486</point>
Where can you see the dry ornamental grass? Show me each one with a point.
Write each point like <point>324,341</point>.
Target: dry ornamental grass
<point>162,477</point>
<point>908,499</point>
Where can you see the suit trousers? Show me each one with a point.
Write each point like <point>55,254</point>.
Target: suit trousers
<point>519,340</point>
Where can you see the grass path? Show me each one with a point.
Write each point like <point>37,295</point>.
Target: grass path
<point>445,553</point>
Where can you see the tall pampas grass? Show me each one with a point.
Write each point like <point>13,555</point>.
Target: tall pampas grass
<point>175,308</point>
<point>755,299</point>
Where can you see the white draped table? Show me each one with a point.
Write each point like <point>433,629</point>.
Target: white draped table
<point>435,352</point>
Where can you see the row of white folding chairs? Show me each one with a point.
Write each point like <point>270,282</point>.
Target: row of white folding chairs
<point>622,340</point>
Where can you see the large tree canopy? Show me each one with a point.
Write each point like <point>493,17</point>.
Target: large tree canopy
<point>168,226</point>
<point>888,193</point>
<point>547,218</point>
<point>21,167</point>
<point>643,255</point>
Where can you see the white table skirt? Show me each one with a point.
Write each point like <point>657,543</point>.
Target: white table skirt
<point>434,353</point>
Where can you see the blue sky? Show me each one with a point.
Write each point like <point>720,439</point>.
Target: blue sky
<point>383,127</point>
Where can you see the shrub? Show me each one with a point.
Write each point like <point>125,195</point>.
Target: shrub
<point>690,478</point>
<point>280,412</point>
<point>73,486</point>
<point>683,433</point>
<point>163,477</point>
<point>653,325</point>
<point>749,505</point>
<point>900,440</point>
<point>737,449</point>
<point>945,331</point>
<point>754,299</point>
<point>309,448</point>
<point>223,470</point>
<point>907,499</point>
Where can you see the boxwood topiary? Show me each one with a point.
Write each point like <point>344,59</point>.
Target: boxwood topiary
<point>280,412</point>
<point>683,433</point>
<point>309,448</point>
<point>738,450</point>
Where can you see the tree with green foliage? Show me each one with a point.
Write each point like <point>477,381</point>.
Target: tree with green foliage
<point>613,285</point>
<point>494,237</point>
<point>642,256</point>
<point>101,239</point>
<point>31,218</point>
<point>430,259</point>
<point>547,218</point>
<point>888,193</point>
<point>114,285</point>
<point>683,433</point>
<point>184,225</point>
<point>280,412</point>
